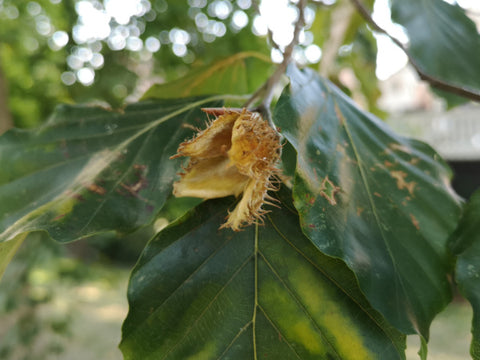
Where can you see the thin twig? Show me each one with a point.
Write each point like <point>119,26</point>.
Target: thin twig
<point>267,89</point>
<point>433,81</point>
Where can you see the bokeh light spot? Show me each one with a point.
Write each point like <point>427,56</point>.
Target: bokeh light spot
<point>11,12</point>
<point>34,8</point>
<point>239,20</point>
<point>197,3</point>
<point>68,78</point>
<point>259,27</point>
<point>244,4</point>
<point>313,53</point>
<point>179,49</point>
<point>220,8</point>
<point>134,43</point>
<point>86,76</point>
<point>60,39</point>
<point>152,44</point>
<point>201,20</point>
<point>179,36</point>
<point>97,60</point>
<point>74,62</point>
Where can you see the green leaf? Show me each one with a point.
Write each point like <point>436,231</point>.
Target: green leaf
<point>442,40</point>
<point>380,202</point>
<point>466,244</point>
<point>8,250</point>
<point>202,293</point>
<point>239,74</point>
<point>90,170</point>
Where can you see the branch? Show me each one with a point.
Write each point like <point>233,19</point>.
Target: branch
<point>433,81</point>
<point>341,19</point>
<point>268,87</point>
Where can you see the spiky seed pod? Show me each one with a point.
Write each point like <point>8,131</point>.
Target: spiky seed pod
<point>237,153</point>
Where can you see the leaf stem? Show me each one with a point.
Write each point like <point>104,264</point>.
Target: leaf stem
<point>466,92</point>
<point>267,89</point>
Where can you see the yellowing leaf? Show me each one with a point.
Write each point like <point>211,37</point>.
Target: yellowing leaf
<point>265,292</point>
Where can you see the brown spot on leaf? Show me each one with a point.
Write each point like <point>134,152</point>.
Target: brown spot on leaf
<point>96,189</point>
<point>135,188</point>
<point>377,194</point>
<point>400,147</point>
<point>360,210</point>
<point>141,183</point>
<point>310,199</point>
<point>78,197</point>
<point>328,190</point>
<point>139,167</point>
<point>415,222</point>
<point>388,163</point>
<point>339,114</point>
<point>401,183</point>
<point>58,217</point>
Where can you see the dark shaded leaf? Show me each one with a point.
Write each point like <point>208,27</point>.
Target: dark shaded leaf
<point>266,292</point>
<point>466,244</point>
<point>8,250</point>
<point>239,74</point>
<point>90,170</point>
<point>378,201</point>
<point>442,40</point>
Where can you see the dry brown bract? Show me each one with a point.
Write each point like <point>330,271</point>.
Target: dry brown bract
<point>235,154</point>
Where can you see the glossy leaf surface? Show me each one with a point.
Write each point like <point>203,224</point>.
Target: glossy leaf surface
<point>380,202</point>
<point>466,244</point>
<point>203,293</point>
<point>443,40</point>
<point>90,170</point>
<point>239,74</point>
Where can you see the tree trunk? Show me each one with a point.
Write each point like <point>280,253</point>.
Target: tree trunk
<point>5,116</point>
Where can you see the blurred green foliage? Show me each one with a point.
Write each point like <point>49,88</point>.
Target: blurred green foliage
<point>49,53</point>
<point>41,71</point>
<point>26,287</point>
